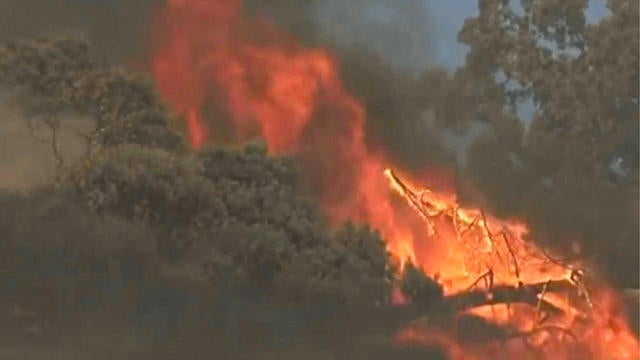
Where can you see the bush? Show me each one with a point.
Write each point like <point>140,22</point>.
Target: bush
<point>419,287</point>
<point>215,216</point>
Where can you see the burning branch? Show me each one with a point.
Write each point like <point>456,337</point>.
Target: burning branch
<point>540,300</point>
<point>505,294</point>
<point>513,256</point>
<point>488,280</point>
<point>554,291</point>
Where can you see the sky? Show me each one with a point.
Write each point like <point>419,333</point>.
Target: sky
<point>450,15</point>
<point>409,34</point>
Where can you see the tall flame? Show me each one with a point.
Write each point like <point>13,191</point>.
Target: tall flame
<point>267,85</point>
<point>291,95</point>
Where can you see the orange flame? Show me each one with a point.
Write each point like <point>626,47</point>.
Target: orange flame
<point>267,85</point>
<point>592,323</point>
<point>291,95</point>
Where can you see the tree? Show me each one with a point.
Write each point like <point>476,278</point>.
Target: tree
<point>220,212</point>
<point>573,169</point>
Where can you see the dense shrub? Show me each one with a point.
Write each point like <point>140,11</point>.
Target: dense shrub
<point>418,287</point>
<point>237,209</point>
<point>217,216</point>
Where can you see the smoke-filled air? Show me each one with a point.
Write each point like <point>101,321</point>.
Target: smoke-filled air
<point>279,179</point>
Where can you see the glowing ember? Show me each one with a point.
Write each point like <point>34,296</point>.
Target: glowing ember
<point>267,85</point>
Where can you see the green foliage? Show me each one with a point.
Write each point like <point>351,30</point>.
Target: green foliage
<point>567,66</point>
<point>239,217</point>
<point>368,249</point>
<point>220,215</point>
<point>59,73</point>
<point>352,266</point>
<point>419,287</point>
<point>559,172</point>
<point>48,67</point>
<point>143,183</point>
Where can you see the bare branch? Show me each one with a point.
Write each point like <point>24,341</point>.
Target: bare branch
<point>488,274</point>
<point>513,256</point>
<point>54,123</point>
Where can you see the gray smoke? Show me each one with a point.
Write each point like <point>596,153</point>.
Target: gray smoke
<point>400,32</point>
<point>115,28</point>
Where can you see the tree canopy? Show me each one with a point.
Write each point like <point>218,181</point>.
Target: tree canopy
<point>571,169</point>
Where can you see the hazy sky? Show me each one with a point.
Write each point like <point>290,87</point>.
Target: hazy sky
<point>408,33</point>
<point>392,26</point>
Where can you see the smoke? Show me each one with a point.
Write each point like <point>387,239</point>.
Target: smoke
<point>400,32</point>
<point>115,28</point>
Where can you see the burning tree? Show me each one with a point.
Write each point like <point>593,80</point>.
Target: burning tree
<point>272,87</point>
<point>491,271</point>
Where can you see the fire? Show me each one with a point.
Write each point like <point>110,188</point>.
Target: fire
<point>208,53</point>
<point>494,255</point>
<point>289,95</point>
<point>477,243</point>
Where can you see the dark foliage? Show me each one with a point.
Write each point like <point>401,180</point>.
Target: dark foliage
<point>422,290</point>
<point>235,213</point>
<point>220,215</point>
<point>57,256</point>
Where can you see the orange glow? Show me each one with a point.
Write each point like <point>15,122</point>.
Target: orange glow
<point>591,322</point>
<point>207,53</point>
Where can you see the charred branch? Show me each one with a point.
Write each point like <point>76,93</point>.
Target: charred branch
<point>530,294</point>
<point>513,256</point>
<point>446,308</point>
<point>53,124</point>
